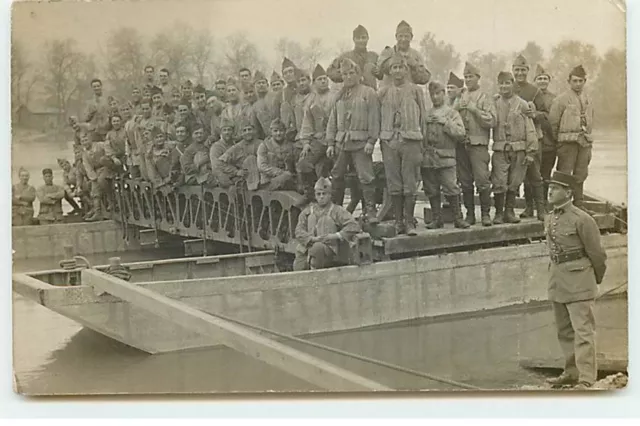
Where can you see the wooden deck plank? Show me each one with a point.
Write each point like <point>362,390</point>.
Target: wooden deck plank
<point>299,364</point>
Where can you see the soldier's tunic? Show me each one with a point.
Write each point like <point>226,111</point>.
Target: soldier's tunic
<point>50,197</point>
<point>265,114</point>
<point>221,170</point>
<point>418,72</point>
<point>203,117</point>
<point>96,168</point>
<point>548,146</point>
<point>472,157</point>
<point>403,115</point>
<point>276,164</point>
<point>97,116</point>
<point>577,266</point>
<point>571,120</point>
<point>365,59</point>
<point>164,164</point>
<point>115,146</point>
<point>354,120</point>
<point>167,91</point>
<point>239,113</point>
<point>313,132</point>
<point>316,221</point>
<point>514,138</point>
<point>22,198</point>
<point>439,162</point>
<point>195,164</point>
<point>243,156</point>
<point>292,113</point>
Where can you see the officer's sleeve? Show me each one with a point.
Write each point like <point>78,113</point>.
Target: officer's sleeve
<point>590,235</point>
<point>373,107</point>
<point>303,236</point>
<point>346,223</point>
<point>555,115</point>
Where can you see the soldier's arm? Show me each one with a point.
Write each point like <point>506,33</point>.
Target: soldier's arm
<point>263,163</point>
<point>454,126</point>
<point>373,119</point>
<point>186,161</point>
<point>531,135</point>
<point>555,115</point>
<point>58,194</point>
<point>419,72</point>
<point>590,235</point>
<point>332,127</point>
<point>486,112</point>
<point>303,236</point>
<point>43,197</point>
<point>227,161</point>
<point>346,223</point>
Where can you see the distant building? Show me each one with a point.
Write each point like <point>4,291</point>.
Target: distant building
<point>43,118</point>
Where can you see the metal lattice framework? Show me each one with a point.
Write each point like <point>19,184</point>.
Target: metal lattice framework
<point>259,219</point>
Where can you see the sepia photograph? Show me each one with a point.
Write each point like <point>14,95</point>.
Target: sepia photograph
<point>287,196</point>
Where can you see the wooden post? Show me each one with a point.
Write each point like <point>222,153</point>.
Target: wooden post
<point>242,339</point>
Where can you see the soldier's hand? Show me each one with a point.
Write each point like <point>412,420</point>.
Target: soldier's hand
<point>331,151</point>
<point>240,173</point>
<point>330,237</point>
<point>306,148</point>
<point>528,160</point>
<point>368,148</point>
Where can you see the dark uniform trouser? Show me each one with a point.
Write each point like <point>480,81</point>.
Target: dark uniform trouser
<point>402,166</point>
<point>315,161</point>
<point>472,163</point>
<point>284,181</point>
<point>576,327</point>
<point>356,160</point>
<point>443,177</point>
<point>574,159</point>
<point>507,171</point>
<point>319,256</point>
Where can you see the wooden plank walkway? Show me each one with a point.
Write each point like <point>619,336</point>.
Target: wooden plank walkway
<point>242,339</point>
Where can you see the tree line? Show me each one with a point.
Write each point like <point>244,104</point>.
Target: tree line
<point>64,72</point>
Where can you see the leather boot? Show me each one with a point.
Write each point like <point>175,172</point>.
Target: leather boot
<point>541,205</point>
<point>485,207</point>
<point>458,222</point>
<point>469,204</point>
<point>436,213</point>
<point>97,210</point>
<point>338,193</point>
<point>509,204</point>
<point>529,200</point>
<point>356,197</point>
<point>409,207</point>
<point>498,200</point>
<point>369,193</point>
<point>398,213</point>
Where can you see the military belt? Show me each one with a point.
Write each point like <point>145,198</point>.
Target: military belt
<point>567,256</point>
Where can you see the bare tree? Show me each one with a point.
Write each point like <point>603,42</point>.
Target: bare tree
<point>240,52</point>
<point>534,54</point>
<point>566,55</point>
<point>292,50</point>
<point>610,90</point>
<point>171,49</point>
<point>489,64</point>
<point>63,66</point>
<point>202,54</point>
<point>440,57</point>
<point>315,52</point>
<point>125,58</point>
<point>19,69</point>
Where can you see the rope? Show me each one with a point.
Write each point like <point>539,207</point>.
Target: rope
<point>354,356</point>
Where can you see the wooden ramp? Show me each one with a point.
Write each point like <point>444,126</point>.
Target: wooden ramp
<point>242,339</point>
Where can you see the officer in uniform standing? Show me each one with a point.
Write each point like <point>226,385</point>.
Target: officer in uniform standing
<point>578,264</point>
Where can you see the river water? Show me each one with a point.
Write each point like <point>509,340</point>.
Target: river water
<point>55,355</point>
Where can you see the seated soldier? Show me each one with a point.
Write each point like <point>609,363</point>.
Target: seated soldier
<point>70,184</point>
<point>195,162</point>
<point>241,161</point>
<point>276,160</point>
<point>50,196</point>
<point>163,160</point>
<point>97,171</point>
<point>321,226</point>
<point>224,175</point>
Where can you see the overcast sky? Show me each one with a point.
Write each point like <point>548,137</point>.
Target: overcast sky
<point>488,25</point>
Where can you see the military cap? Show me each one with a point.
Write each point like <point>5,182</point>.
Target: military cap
<point>231,81</point>
<point>435,87</point>
<point>540,71</point>
<point>258,76</point>
<point>155,90</point>
<point>287,63</point>
<point>197,126</point>
<point>302,73</point>
<point>360,31</point>
<point>247,86</point>
<point>23,170</point>
<point>275,77</point>
<point>396,58</point>
<point>167,109</point>
<point>277,124</point>
<point>47,171</point>
<point>469,68</point>
<point>346,64</point>
<point>225,122</point>
<point>454,80</point>
<point>563,179</point>
<point>323,184</point>
<point>404,27</point>
<point>155,131</point>
<point>187,84</point>
<point>521,61</point>
<point>199,89</point>
<point>578,72</point>
<point>175,89</point>
<point>505,75</point>
<point>246,121</point>
<point>318,71</point>
<point>221,81</point>
<point>62,161</point>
